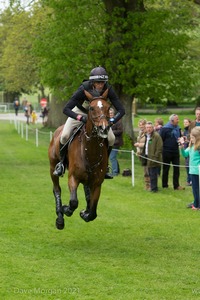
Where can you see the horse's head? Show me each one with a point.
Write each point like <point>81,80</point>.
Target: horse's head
<point>98,115</point>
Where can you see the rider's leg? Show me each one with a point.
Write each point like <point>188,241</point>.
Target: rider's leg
<point>65,135</point>
<point>60,167</point>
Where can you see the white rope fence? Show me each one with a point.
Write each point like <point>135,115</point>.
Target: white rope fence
<point>23,130</point>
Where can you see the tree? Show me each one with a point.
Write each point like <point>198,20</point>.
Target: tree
<point>18,64</point>
<point>142,44</point>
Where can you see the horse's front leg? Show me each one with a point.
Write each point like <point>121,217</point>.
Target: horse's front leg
<point>90,213</point>
<point>73,202</point>
<point>57,194</point>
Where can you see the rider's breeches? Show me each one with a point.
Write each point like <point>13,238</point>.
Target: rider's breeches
<point>71,124</point>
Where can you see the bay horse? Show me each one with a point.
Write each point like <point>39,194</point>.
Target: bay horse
<point>86,161</point>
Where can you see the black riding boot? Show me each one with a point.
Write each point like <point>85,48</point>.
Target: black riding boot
<point>60,167</point>
<point>108,175</point>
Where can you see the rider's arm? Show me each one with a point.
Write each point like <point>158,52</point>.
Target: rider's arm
<point>114,99</point>
<point>77,98</point>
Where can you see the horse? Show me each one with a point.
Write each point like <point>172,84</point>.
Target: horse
<point>86,161</point>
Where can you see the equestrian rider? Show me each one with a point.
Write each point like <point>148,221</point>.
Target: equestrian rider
<point>77,107</point>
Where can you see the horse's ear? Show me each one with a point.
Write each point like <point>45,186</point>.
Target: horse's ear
<point>88,95</point>
<point>105,94</point>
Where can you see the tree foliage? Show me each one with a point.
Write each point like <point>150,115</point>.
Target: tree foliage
<point>149,48</point>
<point>18,64</point>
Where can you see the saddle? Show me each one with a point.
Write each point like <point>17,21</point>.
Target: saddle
<point>69,141</point>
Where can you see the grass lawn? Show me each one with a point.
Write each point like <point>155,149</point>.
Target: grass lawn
<point>141,246</point>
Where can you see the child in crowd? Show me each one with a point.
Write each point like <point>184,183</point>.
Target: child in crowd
<point>186,123</point>
<point>34,117</point>
<point>158,124</point>
<point>193,152</point>
<point>139,147</point>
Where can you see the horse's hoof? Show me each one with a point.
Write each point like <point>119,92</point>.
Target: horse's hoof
<point>86,216</point>
<point>60,223</point>
<point>67,211</point>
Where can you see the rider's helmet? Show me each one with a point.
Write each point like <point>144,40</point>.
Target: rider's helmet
<point>98,74</point>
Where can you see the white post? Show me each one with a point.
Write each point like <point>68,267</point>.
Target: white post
<point>18,127</point>
<point>133,170</point>
<point>26,132</point>
<point>15,122</point>
<point>22,130</point>
<point>36,137</point>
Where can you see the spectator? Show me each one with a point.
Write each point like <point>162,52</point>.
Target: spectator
<point>158,124</point>
<point>117,129</point>
<point>196,122</point>
<point>139,146</point>
<point>186,123</point>
<point>16,105</point>
<point>152,152</point>
<point>34,117</point>
<point>170,134</point>
<point>193,152</point>
<point>44,114</point>
<point>28,111</point>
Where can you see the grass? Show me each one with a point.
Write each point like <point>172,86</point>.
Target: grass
<point>141,246</point>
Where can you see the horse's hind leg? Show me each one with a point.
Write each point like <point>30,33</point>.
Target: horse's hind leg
<point>57,194</point>
<point>73,202</point>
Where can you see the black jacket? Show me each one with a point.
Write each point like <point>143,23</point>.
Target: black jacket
<point>170,143</point>
<point>79,97</point>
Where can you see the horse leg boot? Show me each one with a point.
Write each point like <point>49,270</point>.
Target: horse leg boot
<point>108,175</point>
<point>60,167</point>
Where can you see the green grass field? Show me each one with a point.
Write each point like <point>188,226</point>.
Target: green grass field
<point>141,246</point>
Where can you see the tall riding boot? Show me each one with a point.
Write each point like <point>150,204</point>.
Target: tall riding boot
<point>108,175</point>
<point>60,167</point>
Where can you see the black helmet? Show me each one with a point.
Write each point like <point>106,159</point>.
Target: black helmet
<point>98,74</point>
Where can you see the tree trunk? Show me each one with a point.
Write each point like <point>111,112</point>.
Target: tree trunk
<point>130,5</point>
<point>127,119</point>
<point>55,115</point>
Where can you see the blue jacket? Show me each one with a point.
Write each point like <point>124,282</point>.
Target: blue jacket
<point>170,135</point>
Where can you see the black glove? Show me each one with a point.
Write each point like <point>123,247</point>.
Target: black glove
<point>83,119</point>
<point>111,121</point>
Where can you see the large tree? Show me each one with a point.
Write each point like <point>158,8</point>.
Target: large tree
<point>142,44</point>
<point>143,47</point>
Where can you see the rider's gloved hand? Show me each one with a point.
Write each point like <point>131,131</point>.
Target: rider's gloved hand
<point>83,119</point>
<point>111,121</point>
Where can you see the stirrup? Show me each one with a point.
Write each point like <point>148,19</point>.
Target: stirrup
<point>59,169</point>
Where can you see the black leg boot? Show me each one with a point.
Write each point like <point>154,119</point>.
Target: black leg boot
<point>60,167</point>
<point>108,175</point>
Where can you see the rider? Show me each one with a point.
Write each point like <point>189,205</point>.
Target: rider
<point>77,107</point>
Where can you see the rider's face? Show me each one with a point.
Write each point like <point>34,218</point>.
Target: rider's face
<point>98,85</point>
